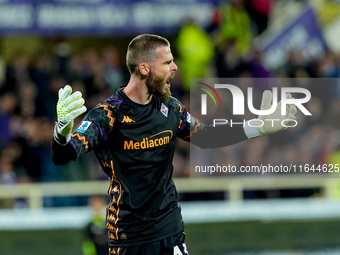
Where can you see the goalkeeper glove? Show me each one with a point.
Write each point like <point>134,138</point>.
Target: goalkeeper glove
<point>69,107</point>
<point>273,122</point>
<point>270,123</point>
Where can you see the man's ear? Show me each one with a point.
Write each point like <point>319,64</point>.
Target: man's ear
<point>144,68</point>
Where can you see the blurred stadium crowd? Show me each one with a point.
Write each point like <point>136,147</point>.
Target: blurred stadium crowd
<point>28,96</point>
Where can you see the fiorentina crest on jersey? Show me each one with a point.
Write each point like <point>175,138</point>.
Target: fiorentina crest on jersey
<point>164,110</point>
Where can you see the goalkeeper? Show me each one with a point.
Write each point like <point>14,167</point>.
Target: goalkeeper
<point>133,134</point>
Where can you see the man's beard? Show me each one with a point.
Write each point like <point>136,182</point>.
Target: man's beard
<point>156,86</point>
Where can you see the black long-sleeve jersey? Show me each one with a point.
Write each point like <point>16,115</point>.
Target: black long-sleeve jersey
<point>135,145</point>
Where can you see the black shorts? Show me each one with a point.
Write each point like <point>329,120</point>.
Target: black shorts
<point>173,245</point>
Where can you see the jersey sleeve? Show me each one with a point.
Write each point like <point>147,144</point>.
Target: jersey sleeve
<point>93,129</point>
<point>206,136</point>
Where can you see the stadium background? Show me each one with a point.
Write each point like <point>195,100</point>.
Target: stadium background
<point>47,44</point>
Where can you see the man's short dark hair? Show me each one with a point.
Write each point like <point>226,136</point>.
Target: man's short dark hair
<point>142,49</point>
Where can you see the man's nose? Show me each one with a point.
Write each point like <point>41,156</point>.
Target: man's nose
<point>174,67</point>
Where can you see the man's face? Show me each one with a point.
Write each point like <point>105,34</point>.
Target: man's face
<point>163,69</point>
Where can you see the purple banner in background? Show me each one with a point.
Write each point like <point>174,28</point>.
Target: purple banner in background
<point>100,17</point>
<point>304,35</point>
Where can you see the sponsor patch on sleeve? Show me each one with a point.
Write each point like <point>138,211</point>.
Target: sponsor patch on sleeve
<point>83,126</point>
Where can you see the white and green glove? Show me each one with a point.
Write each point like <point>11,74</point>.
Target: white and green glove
<point>69,107</point>
<point>274,126</point>
<point>271,123</point>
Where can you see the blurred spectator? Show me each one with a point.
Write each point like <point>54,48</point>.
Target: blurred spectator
<point>329,66</point>
<point>115,72</point>
<point>74,68</point>
<point>95,231</point>
<point>256,67</point>
<point>7,171</point>
<point>2,71</point>
<point>195,51</point>
<point>8,103</point>
<point>228,61</point>
<point>17,71</point>
<point>40,72</point>
<point>39,136</point>
<point>295,63</point>
<point>259,12</point>
<point>55,82</point>
<point>14,164</point>
<point>235,26</point>
<point>94,77</point>
<point>7,177</point>
<point>28,106</point>
<point>62,55</point>
<point>334,158</point>
<point>333,114</point>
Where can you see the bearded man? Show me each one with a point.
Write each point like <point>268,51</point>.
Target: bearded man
<point>133,134</point>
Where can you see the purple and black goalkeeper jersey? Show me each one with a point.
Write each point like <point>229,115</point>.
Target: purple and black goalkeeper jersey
<point>135,145</point>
